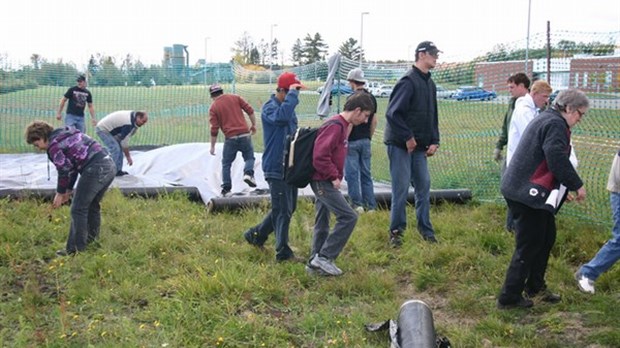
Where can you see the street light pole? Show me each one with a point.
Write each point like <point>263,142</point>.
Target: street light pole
<point>205,67</point>
<point>527,40</point>
<point>271,50</point>
<point>362,36</point>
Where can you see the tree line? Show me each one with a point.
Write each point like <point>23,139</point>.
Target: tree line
<point>105,70</point>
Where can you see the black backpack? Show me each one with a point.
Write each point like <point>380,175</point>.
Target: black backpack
<point>298,168</point>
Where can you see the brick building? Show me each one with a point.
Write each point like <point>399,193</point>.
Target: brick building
<point>588,73</point>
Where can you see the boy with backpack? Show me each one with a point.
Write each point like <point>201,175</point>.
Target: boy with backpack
<point>330,151</point>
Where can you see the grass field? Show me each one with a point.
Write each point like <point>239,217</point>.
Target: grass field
<point>166,274</point>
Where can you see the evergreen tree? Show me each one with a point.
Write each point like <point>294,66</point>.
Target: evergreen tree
<point>314,49</point>
<point>349,49</point>
<point>297,53</point>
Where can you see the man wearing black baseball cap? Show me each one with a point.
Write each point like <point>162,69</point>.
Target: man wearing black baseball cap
<point>78,96</point>
<point>412,135</point>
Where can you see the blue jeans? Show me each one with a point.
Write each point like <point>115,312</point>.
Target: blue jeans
<point>113,146</point>
<point>75,121</point>
<point>610,252</point>
<point>410,169</point>
<point>278,220</point>
<point>330,199</point>
<point>94,181</point>
<point>357,174</point>
<point>229,153</point>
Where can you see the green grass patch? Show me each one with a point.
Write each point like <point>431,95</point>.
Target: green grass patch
<point>166,273</point>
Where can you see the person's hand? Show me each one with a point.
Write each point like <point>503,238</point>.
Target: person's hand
<point>253,129</point>
<point>297,86</point>
<point>336,183</point>
<point>130,161</point>
<point>581,194</point>
<point>212,151</point>
<point>497,155</point>
<point>93,121</point>
<point>60,199</point>
<point>59,116</point>
<point>411,145</point>
<point>431,150</point>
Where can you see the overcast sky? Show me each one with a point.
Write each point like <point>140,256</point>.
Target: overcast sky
<point>73,30</point>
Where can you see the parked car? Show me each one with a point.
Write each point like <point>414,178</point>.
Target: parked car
<point>383,91</point>
<point>443,93</point>
<point>554,95</point>
<point>341,87</point>
<point>473,93</point>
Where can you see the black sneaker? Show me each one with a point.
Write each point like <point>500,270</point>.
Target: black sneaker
<point>249,179</point>
<point>225,192</point>
<point>63,253</point>
<point>250,237</point>
<point>546,296</point>
<point>396,238</point>
<point>430,239</point>
<point>522,303</point>
<point>121,173</point>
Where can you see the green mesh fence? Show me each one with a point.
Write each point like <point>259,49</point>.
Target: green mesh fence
<point>178,102</point>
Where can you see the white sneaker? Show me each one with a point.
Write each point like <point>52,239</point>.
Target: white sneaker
<point>325,265</point>
<point>248,179</point>
<point>584,283</point>
<point>359,210</point>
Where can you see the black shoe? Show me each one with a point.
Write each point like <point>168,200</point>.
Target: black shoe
<point>430,239</point>
<point>396,238</point>
<point>546,296</point>
<point>249,180</point>
<point>63,253</point>
<point>121,173</point>
<point>250,237</point>
<point>522,303</point>
<point>225,192</point>
<point>292,259</point>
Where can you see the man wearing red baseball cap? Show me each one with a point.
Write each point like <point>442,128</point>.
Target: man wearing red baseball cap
<point>279,120</point>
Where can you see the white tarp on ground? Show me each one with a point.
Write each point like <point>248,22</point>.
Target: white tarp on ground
<point>189,165</point>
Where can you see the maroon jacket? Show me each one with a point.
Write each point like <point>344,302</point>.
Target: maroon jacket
<point>330,149</point>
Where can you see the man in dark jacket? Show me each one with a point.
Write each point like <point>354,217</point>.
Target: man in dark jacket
<point>535,185</point>
<point>412,135</point>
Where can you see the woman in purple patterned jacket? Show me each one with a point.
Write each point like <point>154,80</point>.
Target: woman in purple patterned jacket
<point>73,153</point>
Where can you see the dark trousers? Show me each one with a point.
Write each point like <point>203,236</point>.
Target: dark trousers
<point>283,205</point>
<point>535,233</point>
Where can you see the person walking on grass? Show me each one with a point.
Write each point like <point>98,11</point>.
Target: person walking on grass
<point>115,129</point>
<point>536,183</point>
<point>73,153</point>
<point>518,86</point>
<point>357,171</point>
<point>78,97</point>
<point>330,151</point>
<point>412,135</point>
<point>279,120</point>
<point>609,253</point>
<point>226,113</point>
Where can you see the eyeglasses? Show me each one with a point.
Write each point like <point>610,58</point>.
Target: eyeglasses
<point>580,113</point>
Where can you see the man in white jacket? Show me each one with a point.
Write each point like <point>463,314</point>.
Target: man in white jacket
<point>115,129</point>
<point>526,108</point>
